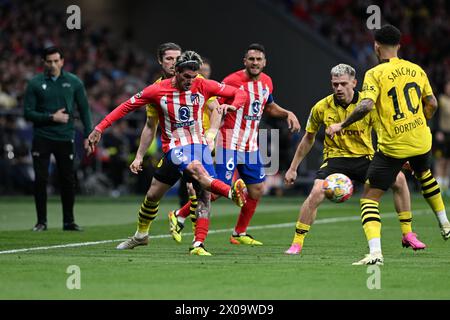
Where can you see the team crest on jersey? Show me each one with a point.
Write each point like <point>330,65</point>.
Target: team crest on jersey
<point>264,91</point>
<point>228,175</point>
<point>195,99</point>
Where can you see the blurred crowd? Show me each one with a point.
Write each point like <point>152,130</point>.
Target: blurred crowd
<point>344,23</point>
<point>112,67</point>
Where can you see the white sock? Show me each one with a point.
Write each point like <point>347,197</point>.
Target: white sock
<point>140,235</point>
<point>442,217</point>
<point>197,244</point>
<point>230,194</point>
<point>375,245</point>
<point>180,219</point>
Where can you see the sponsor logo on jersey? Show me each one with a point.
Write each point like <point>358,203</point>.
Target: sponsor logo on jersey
<point>256,107</point>
<point>184,113</point>
<point>252,118</point>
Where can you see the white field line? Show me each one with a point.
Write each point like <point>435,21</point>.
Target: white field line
<point>269,226</point>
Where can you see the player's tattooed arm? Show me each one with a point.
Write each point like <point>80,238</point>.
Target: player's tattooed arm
<point>430,106</point>
<point>360,112</point>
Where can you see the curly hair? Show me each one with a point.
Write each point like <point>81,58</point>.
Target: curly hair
<point>388,35</point>
<point>188,60</point>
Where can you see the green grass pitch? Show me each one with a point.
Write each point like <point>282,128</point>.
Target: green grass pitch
<point>165,270</point>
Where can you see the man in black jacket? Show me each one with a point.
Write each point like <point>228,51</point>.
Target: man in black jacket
<point>50,101</point>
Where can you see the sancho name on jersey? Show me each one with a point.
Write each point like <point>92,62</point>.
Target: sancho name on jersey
<point>397,87</point>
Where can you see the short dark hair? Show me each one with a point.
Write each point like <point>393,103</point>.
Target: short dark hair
<point>164,47</point>
<point>51,50</point>
<point>188,60</point>
<point>388,35</point>
<point>256,46</point>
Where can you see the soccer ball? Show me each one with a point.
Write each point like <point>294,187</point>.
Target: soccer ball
<point>338,187</point>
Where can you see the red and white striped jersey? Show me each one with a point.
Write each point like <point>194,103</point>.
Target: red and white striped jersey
<point>180,112</point>
<point>240,128</point>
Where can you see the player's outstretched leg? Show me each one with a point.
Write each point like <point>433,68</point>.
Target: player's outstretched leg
<point>236,193</point>
<point>432,194</point>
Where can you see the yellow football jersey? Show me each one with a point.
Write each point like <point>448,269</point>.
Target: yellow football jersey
<point>397,88</point>
<point>354,140</point>
<point>150,109</point>
<point>206,111</point>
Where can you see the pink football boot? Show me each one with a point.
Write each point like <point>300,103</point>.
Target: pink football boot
<point>410,240</point>
<point>294,249</point>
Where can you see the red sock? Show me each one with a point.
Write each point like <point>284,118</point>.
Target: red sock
<point>220,188</point>
<point>202,229</point>
<point>184,211</point>
<point>246,215</point>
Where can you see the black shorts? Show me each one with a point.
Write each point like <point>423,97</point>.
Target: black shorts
<point>383,170</point>
<point>354,168</point>
<point>167,172</point>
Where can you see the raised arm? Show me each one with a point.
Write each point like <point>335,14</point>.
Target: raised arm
<point>226,91</point>
<point>138,100</point>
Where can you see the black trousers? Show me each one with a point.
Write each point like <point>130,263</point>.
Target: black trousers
<point>64,154</point>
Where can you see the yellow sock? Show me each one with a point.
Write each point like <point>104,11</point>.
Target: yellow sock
<point>192,209</point>
<point>431,191</point>
<point>405,219</point>
<point>147,213</point>
<point>301,230</point>
<point>370,218</point>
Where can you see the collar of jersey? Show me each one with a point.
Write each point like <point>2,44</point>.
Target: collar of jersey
<point>390,60</point>
<point>354,100</point>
